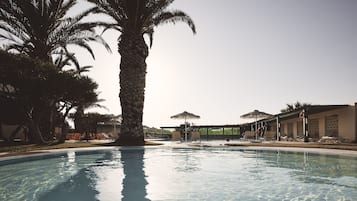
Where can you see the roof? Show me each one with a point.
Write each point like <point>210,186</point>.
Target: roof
<point>206,126</point>
<point>309,109</point>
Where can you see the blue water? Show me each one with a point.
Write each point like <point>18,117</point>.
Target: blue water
<point>179,174</point>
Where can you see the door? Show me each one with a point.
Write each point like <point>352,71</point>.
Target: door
<point>331,125</point>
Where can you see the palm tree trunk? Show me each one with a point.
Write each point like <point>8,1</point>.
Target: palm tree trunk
<point>133,51</point>
<point>35,135</point>
<point>35,131</point>
<point>64,126</point>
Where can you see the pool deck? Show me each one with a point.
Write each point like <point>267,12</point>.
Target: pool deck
<point>333,149</point>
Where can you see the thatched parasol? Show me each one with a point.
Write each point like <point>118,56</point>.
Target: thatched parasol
<point>185,115</point>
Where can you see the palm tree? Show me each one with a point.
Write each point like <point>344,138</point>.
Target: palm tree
<point>134,19</point>
<point>41,29</point>
<point>294,106</point>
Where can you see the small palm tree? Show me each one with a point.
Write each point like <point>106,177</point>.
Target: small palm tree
<point>134,19</point>
<point>294,106</point>
<point>41,28</point>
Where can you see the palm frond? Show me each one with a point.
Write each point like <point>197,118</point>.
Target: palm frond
<point>85,45</point>
<point>174,17</point>
<point>112,8</point>
<point>40,28</point>
<point>82,69</point>
<point>154,7</point>
<point>14,32</point>
<point>65,58</point>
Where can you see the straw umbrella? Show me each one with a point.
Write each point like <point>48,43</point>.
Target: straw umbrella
<point>256,114</point>
<point>185,115</point>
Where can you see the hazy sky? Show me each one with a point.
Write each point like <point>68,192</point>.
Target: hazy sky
<point>246,55</point>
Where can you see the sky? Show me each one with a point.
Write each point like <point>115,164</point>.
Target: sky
<point>246,55</point>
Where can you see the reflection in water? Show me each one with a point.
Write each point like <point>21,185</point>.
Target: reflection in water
<point>187,161</point>
<point>82,184</point>
<point>79,186</point>
<point>134,182</point>
<point>312,168</point>
<point>114,175</point>
<point>311,164</point>
<point>182,174</point>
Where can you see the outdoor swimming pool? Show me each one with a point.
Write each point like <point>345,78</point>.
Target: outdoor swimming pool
<point>137,174</point>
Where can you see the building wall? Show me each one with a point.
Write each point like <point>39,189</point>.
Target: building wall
<point>322,125</point>
<point>346,122</point>
<point>294,129</point>
<point>283,129</point>
<point>289,128</point>
<point>314,127</point>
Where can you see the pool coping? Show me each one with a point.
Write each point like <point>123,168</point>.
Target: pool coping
<point>265,146</point>
<point>172,145</point>
<point>18,155</point>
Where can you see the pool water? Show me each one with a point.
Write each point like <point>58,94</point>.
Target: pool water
<point>137,174</point>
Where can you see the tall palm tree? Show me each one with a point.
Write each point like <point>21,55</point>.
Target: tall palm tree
<point>42,28</point>
<point>134,19</point>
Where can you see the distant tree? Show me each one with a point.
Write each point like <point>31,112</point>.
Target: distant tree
<point>88,122</point>
<point>134,19</point>
<point>79,114</point>
<point>23,90</point>
<point>294,106</point>
<point>43,30</point>
<point>12,112</point>
<point>29,87</point>
<point>79,91</point>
